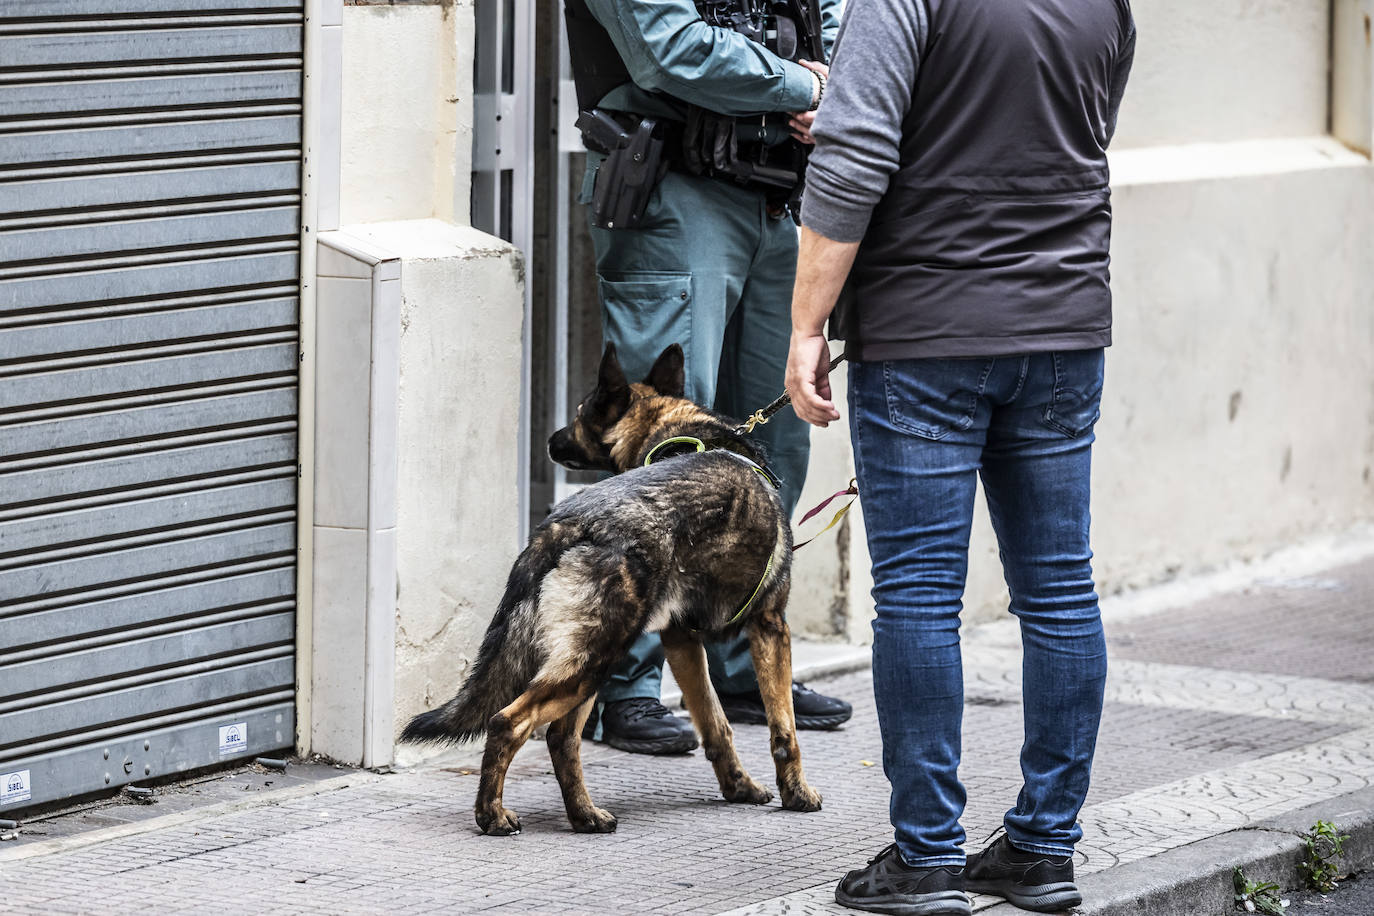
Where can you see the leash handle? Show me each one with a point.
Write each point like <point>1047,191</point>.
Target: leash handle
<point>761,417</point>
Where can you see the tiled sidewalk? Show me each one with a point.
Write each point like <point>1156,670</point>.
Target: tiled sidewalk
<point>1236,709</point>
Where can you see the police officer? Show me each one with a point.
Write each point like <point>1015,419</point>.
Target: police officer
<point>696,116</point>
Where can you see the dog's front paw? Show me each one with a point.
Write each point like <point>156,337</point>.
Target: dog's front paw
<point>594,820</point>
<point>746,791</point>
<point>498,822</point>
<point>801,798</point>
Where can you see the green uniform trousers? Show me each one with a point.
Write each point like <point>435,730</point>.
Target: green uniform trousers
<point>710,269</point>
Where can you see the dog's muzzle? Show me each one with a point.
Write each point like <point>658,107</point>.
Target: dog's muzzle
<point>565,451</point>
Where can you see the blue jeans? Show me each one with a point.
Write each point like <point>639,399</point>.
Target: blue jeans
<point>924,430</point>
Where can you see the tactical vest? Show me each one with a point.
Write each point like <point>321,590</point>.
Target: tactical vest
<point>711,144</point>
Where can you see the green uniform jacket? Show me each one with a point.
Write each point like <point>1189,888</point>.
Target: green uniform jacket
<point>675,59</point>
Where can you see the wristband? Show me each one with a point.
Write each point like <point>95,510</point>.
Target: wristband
<point>820,93</point>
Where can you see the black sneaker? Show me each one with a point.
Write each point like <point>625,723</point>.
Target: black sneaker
<point>811,709</point>
<point>889,885</point>
<point>643,725</point>
<point>1031,880</point>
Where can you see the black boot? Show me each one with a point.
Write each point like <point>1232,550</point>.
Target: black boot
<point>811,709</point>
<point>642,725</point>
<point>1031,880</point>
<point>889,885</point>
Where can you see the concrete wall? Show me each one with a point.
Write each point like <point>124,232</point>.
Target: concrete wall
<point>1226,70</point>
<point>417,510</point>
<point>459,407</point>
<point>1238,416</point>
<point>1352,73</point>
<point>407,112</point>
<point>419,361</point>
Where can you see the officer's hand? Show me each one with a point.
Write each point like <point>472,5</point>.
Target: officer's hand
<point>800,126</point>
<point>817,81</point>
<point>800,122</point>
<point>808,379</point>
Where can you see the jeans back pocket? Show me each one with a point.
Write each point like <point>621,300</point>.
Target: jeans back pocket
<point>1076,403</point>
<point>932,398</point>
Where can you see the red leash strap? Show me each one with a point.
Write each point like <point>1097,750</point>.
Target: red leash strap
<point>851,490</point>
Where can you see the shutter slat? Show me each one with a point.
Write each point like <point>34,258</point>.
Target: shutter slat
<point>162,92</point>
<point>51,9</point>
<point>24,52</point>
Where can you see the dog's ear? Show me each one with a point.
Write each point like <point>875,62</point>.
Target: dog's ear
<point>612,388</point>
<point>667,376</point>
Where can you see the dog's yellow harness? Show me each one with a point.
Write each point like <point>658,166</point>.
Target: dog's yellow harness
<point>763,472</point>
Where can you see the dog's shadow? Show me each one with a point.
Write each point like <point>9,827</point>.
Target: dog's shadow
<point>684,788</point>
<point>649,815</point>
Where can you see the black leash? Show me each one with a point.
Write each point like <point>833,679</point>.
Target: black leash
<point>761,417</point>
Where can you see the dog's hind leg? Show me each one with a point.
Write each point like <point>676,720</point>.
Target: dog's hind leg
<point>687,658</point>
<point>770,645</point>
<point>565,749</point>
<point>506,733</point>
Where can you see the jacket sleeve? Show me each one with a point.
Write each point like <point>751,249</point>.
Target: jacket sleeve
<point>830,25</point>
<point>667,47</point>
<point>858,130</point>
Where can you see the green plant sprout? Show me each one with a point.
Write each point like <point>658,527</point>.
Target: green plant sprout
<point>1257,896</point>
<point>1323,846</point>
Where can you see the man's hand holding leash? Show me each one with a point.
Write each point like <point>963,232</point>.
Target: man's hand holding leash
<point>808,379</point>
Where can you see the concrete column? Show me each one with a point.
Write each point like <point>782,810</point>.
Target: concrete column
<point>1352,74</point>
<point>357,339</point>
<point>417,509</point>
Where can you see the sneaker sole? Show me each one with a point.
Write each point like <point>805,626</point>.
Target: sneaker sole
<point>947,903</point>
<point>1040,898</point>
<point>809,723</point>
<point>662,746</point>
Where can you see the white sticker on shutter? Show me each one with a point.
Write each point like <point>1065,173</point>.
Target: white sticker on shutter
<point>233,738</point>
<point>15,787</point>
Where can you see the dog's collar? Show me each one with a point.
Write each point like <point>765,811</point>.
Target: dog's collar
<point>694,444</point>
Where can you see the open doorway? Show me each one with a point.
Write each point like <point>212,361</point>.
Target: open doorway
<point>565,330</point>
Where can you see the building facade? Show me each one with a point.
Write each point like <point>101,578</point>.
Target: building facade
<point>292,294</point>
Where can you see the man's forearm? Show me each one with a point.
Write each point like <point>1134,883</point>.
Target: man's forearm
<point>822,266</point>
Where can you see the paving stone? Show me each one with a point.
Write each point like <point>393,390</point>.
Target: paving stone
<point>1268,628</point>
<point>1193,743</point>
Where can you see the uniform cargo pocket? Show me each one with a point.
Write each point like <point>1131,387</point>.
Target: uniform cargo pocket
<point>645,311</point>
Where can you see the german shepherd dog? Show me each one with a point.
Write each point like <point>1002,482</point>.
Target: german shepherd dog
<point>679,547</point>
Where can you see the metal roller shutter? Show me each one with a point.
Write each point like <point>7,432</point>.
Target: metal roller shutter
<point>150,163</point>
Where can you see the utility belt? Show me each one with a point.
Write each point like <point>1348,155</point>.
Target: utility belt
<point>639,151</point>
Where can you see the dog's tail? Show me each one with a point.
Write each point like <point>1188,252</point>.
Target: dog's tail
<point>506,663</point>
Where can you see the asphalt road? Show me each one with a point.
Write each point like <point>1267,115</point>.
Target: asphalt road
<point>1353,897</point>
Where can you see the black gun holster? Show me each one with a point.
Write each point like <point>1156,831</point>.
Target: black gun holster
<point>633,167</point>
